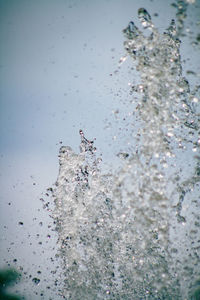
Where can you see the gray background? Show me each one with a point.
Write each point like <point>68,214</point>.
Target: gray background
<point>57,75</point>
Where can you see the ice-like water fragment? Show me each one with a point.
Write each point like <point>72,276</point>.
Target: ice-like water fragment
<point>144,18</point>
<point>131,30</point>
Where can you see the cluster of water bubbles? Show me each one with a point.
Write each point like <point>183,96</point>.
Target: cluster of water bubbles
<point>135,233</point>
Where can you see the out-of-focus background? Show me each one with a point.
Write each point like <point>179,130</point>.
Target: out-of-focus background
<point>58,74</point>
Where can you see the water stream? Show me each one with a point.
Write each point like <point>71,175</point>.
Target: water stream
<point>134,232</point>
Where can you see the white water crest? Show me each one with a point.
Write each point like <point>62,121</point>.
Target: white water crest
<point>134,233</point>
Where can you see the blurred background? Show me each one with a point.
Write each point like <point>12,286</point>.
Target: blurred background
<point>59,72</point>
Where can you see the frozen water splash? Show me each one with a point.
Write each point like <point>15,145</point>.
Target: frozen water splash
<point>170,130</point>
<point>134,234</point>
<point>83,217</point>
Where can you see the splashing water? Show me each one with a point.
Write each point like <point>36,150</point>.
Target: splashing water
<point>134,233</point>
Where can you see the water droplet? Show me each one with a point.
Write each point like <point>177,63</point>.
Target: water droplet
<point>195,100</point>
<point>36,281</point>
